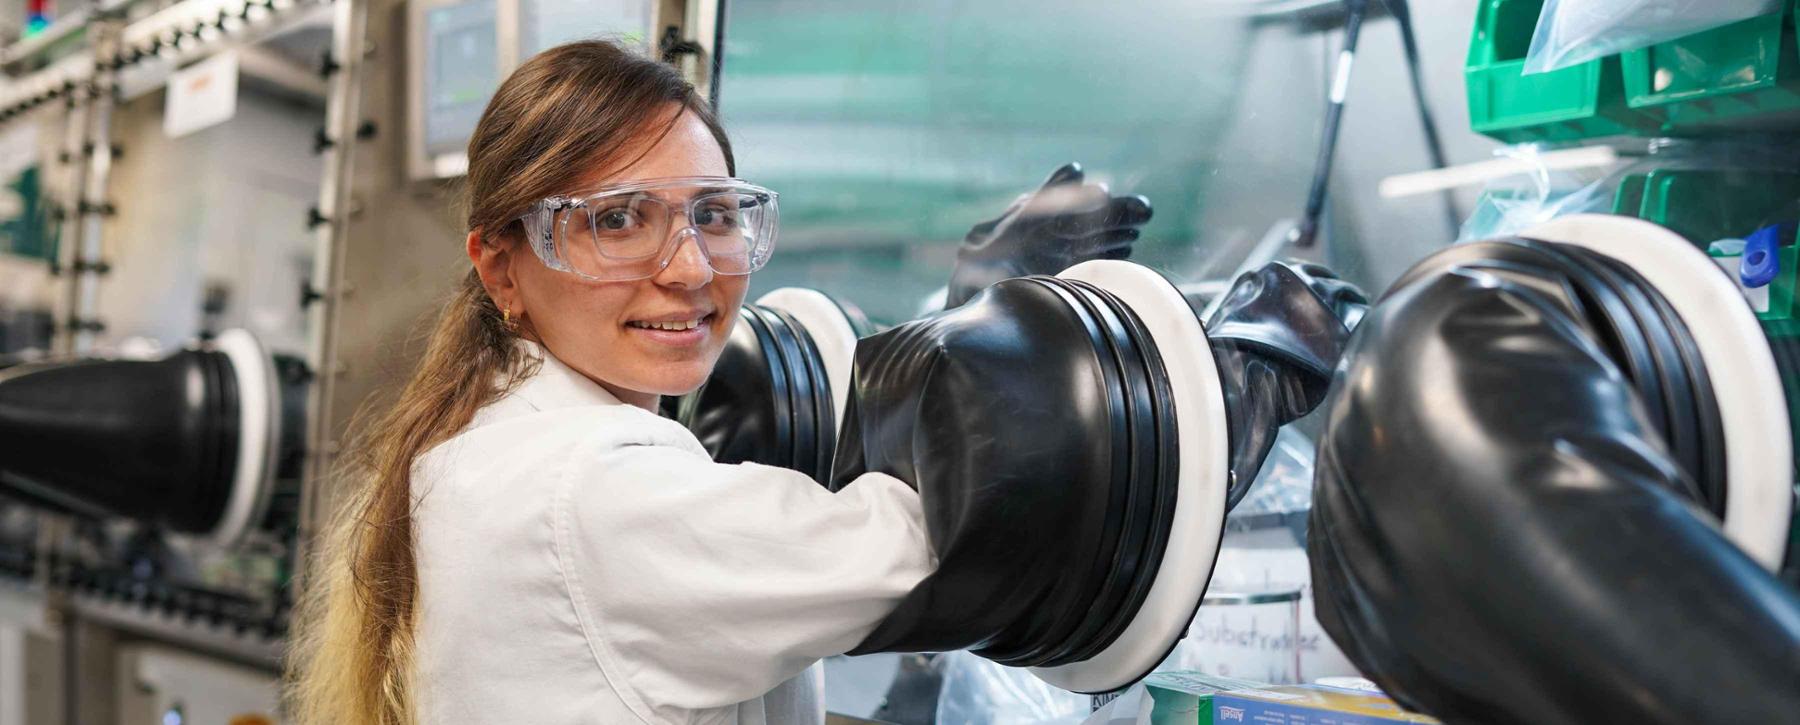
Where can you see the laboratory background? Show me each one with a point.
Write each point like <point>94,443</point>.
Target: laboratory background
<point>1490,418</point>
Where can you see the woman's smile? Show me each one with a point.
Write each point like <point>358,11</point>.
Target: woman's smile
<point>680,329</point>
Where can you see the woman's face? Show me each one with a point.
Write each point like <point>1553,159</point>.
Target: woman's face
<point>598,328</point>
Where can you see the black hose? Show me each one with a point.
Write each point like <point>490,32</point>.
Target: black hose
<point>1434,142</point>
<point>1308,231</point>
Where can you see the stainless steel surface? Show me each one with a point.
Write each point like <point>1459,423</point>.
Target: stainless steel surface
<point>93,221</point>
<point>91,202</point>
<point>89,667</point>
<point>1268,597</point>
<point>260,41</point>
<point>248,648</point>
<point>68,189</point>
<point>343,114</point>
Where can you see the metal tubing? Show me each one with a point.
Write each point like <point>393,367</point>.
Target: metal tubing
<point>342,114</point>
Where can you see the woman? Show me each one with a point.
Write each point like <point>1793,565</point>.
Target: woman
<point>534,544</point>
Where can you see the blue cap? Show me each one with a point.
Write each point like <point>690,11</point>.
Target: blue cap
<point>1761,261</point>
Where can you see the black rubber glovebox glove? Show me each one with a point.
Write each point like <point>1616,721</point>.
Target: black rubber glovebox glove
<point>1006,415</point>
<point>1277,335</point>
<point>770,397</point>
<point>735,414</point>
<point>1064,222</point>
<point>1499,533</point>
<point>1005,458</point>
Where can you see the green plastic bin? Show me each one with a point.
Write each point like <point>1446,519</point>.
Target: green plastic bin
<point>1570,104</point>
<point>1745,75</point>
<point>1630,196</point>
<point>1706,206</point>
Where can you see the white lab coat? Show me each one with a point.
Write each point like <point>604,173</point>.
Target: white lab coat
<point>585,561</point>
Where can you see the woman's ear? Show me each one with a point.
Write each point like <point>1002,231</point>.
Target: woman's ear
<point>494,263</point>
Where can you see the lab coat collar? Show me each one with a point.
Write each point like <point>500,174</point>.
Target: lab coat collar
<point>556,385</point>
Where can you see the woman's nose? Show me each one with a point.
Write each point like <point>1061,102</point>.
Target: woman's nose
<point>687,267</point>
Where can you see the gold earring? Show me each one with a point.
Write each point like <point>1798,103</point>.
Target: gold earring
<point>507,320</point>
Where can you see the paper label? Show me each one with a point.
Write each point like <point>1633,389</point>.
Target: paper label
<point>201,95</point>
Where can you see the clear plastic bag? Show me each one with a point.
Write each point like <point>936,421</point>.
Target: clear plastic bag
<point>1284,485</point>
<point>980,692</point>
<point>1576,31</point>
<point>1511,204</point>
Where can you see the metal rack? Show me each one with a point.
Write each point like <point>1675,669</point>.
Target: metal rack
<point>80,66</point>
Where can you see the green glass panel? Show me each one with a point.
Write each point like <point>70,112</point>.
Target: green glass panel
<point>890,128</point>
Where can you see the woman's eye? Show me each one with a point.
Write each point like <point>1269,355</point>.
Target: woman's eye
<point>615,220</point>
<point>714,216</point>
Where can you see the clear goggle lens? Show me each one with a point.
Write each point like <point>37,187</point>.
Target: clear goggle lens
<point>633,231</point>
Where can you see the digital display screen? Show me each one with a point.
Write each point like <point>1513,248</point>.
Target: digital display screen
<point>462,69</point>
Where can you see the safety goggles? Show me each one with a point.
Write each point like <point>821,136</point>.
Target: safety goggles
<point>630,231</point>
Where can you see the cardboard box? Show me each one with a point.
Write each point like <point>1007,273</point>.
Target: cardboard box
<point>1185,698</point>
<point>1308,705</point>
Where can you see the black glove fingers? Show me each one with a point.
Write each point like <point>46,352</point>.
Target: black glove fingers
<point>980,232</point>
<point>1116,213</point>
<point>1065,221</point>
<point>1058,205</point>
<point>1067,173</point>
<point>1309,269</point>
<point>1111,240</point>
<point>1129,211</point>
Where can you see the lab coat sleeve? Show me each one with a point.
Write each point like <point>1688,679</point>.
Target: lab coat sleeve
<point>702,584</point>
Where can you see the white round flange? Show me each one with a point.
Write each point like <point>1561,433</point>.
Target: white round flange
<point>259,432</point>
<point>830,331</point>
<point>1199,520</point>
<point>1739,365</point>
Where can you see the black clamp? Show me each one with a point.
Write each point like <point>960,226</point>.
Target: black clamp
<point>104,208</point>
<point>295,371</point>
<point>673,46</point>
<point>96,266</point>
<point>328,66</point>
<point>87,150</point>
<point>77,324</point>
<point>309,294</point>
<point>314,219</point>
<point>323,141</point>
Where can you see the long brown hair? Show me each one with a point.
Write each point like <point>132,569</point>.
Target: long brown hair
<point>563,113</point>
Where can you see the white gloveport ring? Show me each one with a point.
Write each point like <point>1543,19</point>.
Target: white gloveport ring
<point>259,431</point>
<point>830,330</point>
<point>1203,477</point>
<point>1739,366</point>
